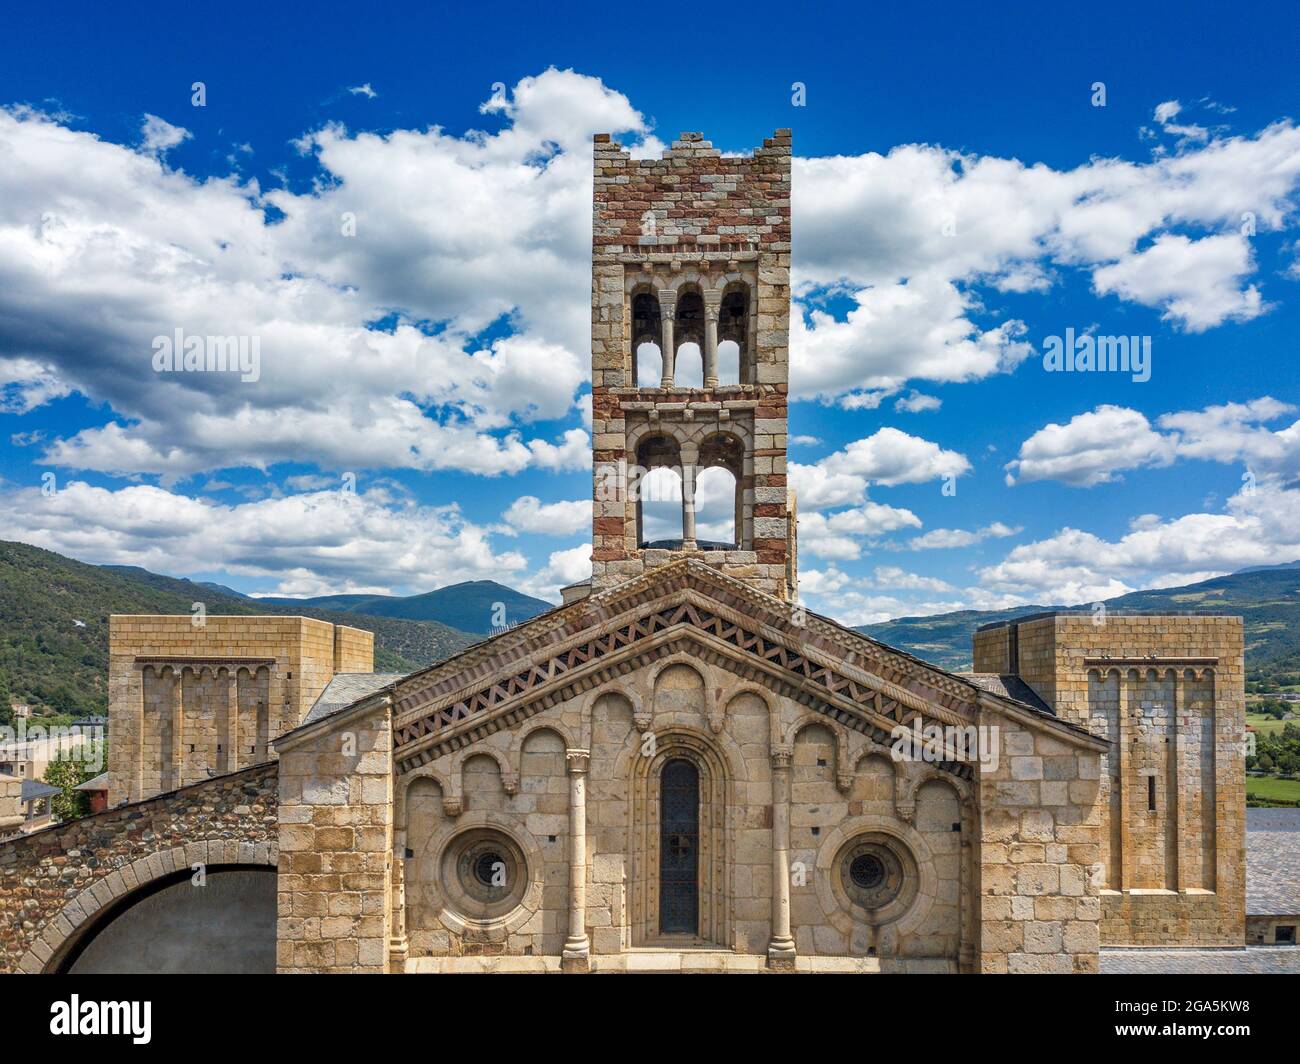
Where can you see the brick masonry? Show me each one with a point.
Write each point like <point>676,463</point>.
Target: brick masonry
<point>692,247</point>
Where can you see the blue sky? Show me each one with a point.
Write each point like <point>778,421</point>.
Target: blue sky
<point>959,198</point>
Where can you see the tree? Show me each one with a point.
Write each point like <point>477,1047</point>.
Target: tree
<point>66,775</point>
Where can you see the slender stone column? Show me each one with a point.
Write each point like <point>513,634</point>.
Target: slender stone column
<point>1175,807</point>
<point>667,313</point>
<point>712,303</point>
<point>178,729</point>
<point>577,948</point>
<point>1128,699</point>
<point>135,789</point>
<point>398,943</point>
<point>780,949</point>
<point>231,763</point>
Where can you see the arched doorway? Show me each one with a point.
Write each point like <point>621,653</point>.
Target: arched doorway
<point>222,923</point>
<point>679,848</point>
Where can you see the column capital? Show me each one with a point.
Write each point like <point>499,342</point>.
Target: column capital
<point>667,297</point>
<point>712,299</point>
<point>781,755</point>
<point>577,761</point>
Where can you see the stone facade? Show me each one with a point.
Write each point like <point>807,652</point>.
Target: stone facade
<point>692,248</point>
<point>188,701</point>
<point>1167,693</point>
<point>541,755</point>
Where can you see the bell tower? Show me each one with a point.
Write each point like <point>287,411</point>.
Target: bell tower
<point>690,321</point>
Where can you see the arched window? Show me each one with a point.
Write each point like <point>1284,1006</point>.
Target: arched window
<point>658,492</point>
<point>679,848</point>
<point>689,370</point>
<point>649,365</point>
<point>646,330</point>
<point>733,325</point>
<point>719,495</point>
<point>716,509</point>
<point>660,508</point>
<point>728,362</point>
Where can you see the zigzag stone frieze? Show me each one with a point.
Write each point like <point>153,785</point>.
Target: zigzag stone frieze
<point>427,725</point>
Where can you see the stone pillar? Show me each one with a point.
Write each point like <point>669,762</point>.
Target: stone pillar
<point>178,729</point>
<point>712,304</point>
<point>134,790</point>
<point>667,312</point>
<point>780,948</point>
<point>231,763</point>
<point>1128,699</point>
<point>399,946</point>
<point>577,947</point>
<point>1175,807</point>
<point>690,457</point>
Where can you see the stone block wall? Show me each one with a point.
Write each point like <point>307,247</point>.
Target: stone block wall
<point>1040,822</point>
<point>1262,930</point>
<point>842,790</point>
<point>354,649</point>
<point>336,840</point>
<point>187,700</point>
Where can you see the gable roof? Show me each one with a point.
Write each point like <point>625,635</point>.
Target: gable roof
<point>579,645</point>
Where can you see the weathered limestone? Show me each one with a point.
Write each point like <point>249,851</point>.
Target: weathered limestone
<point>336,841</point>
<point>1167,692</point>
<point>187,700</point>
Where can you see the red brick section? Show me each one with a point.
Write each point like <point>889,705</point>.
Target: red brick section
<point>43,872</point>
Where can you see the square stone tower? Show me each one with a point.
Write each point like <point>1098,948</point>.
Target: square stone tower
<point>1167,692</point>
<point>187,701</point>
<point>690,319</point>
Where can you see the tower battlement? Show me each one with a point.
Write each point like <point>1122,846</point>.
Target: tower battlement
<point>690,320</point>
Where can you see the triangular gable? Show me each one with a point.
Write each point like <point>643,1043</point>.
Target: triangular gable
<point>860,682</point>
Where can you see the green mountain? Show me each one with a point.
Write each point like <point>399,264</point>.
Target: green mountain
<point>1267,599</point>
<point>478,606</point>
<point>54,625</point>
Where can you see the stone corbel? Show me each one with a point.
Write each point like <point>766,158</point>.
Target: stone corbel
<point>452,805</point>
<point>906,809</point>
<point>510,782</point>
<point>844,782</point>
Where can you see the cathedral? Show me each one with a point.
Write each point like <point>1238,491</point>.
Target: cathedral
<point>681,768</point>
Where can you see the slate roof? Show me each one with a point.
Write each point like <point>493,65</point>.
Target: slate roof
<point>1272,862</point>
<point>1246,960</point>
<point>1008,685</point>
<point>34,789</point>
<point>346,688</point>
